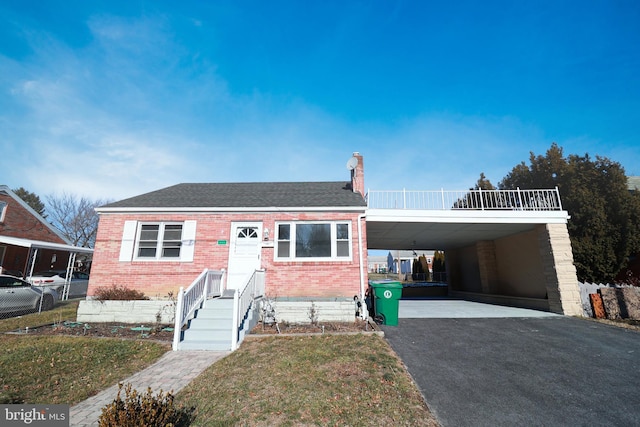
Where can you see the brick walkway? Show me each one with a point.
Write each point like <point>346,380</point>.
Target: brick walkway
<point>171,373</point>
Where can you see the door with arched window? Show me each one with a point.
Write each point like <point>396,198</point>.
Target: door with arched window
<point>244,252</point>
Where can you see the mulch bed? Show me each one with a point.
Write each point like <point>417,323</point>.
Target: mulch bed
<point>105,330</point>
<point>306,328</point>
<point>164,333</point>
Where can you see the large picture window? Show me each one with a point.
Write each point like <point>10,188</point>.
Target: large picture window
<point>313,240</point>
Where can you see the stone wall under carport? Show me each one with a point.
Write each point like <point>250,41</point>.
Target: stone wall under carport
<point>532,269</point>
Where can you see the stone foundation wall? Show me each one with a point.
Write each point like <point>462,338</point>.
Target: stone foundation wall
<point>144,312</point>
<point>325,311</point>
<point>147,312</point>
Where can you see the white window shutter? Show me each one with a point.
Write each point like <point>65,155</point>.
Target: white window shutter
<point>188,241</point>
<point>128,240</point>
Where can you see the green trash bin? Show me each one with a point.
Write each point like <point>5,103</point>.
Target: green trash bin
<point>387,295</point>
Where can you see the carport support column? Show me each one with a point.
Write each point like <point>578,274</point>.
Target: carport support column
<point>487,265</point>
<point>559,272</point>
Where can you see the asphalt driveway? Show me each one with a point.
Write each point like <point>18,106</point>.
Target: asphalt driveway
<point>547,371</point>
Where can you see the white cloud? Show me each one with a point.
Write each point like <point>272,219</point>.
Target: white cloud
<point>135,111</point>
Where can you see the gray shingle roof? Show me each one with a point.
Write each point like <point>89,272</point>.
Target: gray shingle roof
<point>633,183</point>
<point>247,195</point>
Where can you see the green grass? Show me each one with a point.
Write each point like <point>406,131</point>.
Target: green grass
<point>63,311</point>
<point>310,380</point>
<point>322,380</point>
<point>59,369</point>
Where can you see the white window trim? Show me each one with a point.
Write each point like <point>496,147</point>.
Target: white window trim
<point>131,238</point>
<point>3,210</point>
<point>292,242</point>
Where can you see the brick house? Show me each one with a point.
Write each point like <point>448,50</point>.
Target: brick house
<point>28,242</point>
<point>309,237</point>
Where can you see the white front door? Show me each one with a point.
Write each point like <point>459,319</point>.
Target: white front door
<point>244,252</point>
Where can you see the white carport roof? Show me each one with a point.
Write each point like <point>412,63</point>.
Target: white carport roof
<point>38,244</point>
<point>447,229</point>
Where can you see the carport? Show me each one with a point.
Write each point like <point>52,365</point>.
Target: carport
<point>32,248</point>
<point>506,247</point>
<point>439,308</point>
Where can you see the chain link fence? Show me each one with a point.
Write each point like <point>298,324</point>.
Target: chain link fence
<point>18,297</point>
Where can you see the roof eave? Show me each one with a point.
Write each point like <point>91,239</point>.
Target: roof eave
<point>147,210</point>
<point>29,243</point>
<point>35,214</point>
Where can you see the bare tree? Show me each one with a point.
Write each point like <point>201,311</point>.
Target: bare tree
<point>75,217</point>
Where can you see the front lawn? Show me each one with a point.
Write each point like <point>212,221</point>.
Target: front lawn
<point>302,380</point>
<point>352,380</point>
<point>60,369</point>
<point>65,310</point>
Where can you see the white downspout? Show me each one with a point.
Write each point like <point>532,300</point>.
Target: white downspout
<point>360,249</point>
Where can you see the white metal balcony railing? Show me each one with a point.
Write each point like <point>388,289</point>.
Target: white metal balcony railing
<point>525,200</point>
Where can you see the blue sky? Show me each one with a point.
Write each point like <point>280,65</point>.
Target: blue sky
<point>110,99</point>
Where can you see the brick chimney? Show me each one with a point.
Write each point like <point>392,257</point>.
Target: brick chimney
<point>357,175</point>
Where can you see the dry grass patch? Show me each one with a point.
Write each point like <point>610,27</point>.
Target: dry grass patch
<point>316,380</point>
<point>62,369</point>
<point>632,324</point>
<point>66,310</point>
<point>67,369</point>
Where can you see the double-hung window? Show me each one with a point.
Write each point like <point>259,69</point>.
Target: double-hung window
<point>159,241</point>
<point>313,241</point>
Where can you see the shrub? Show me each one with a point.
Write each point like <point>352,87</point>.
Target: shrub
<point>631,279</point>
<point>144,410</point>
<point>119,293</point>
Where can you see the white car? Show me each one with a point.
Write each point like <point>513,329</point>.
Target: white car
<point>18,296</point>
<point>55,279</point>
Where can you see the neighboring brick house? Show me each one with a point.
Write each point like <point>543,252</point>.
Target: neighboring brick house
<point>28,241</point>
<point>309,237</point>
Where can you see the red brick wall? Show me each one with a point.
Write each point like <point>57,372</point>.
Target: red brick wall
<point>19,222</point>
<point>357,175</point>
<point>283,279</point>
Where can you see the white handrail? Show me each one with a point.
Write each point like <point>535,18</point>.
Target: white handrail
<point>208,284</point>
<point>518,199</point>
<point>242,303</point>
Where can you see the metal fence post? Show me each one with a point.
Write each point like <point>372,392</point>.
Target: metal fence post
<point>519,198</point>
<point>558,197</point>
